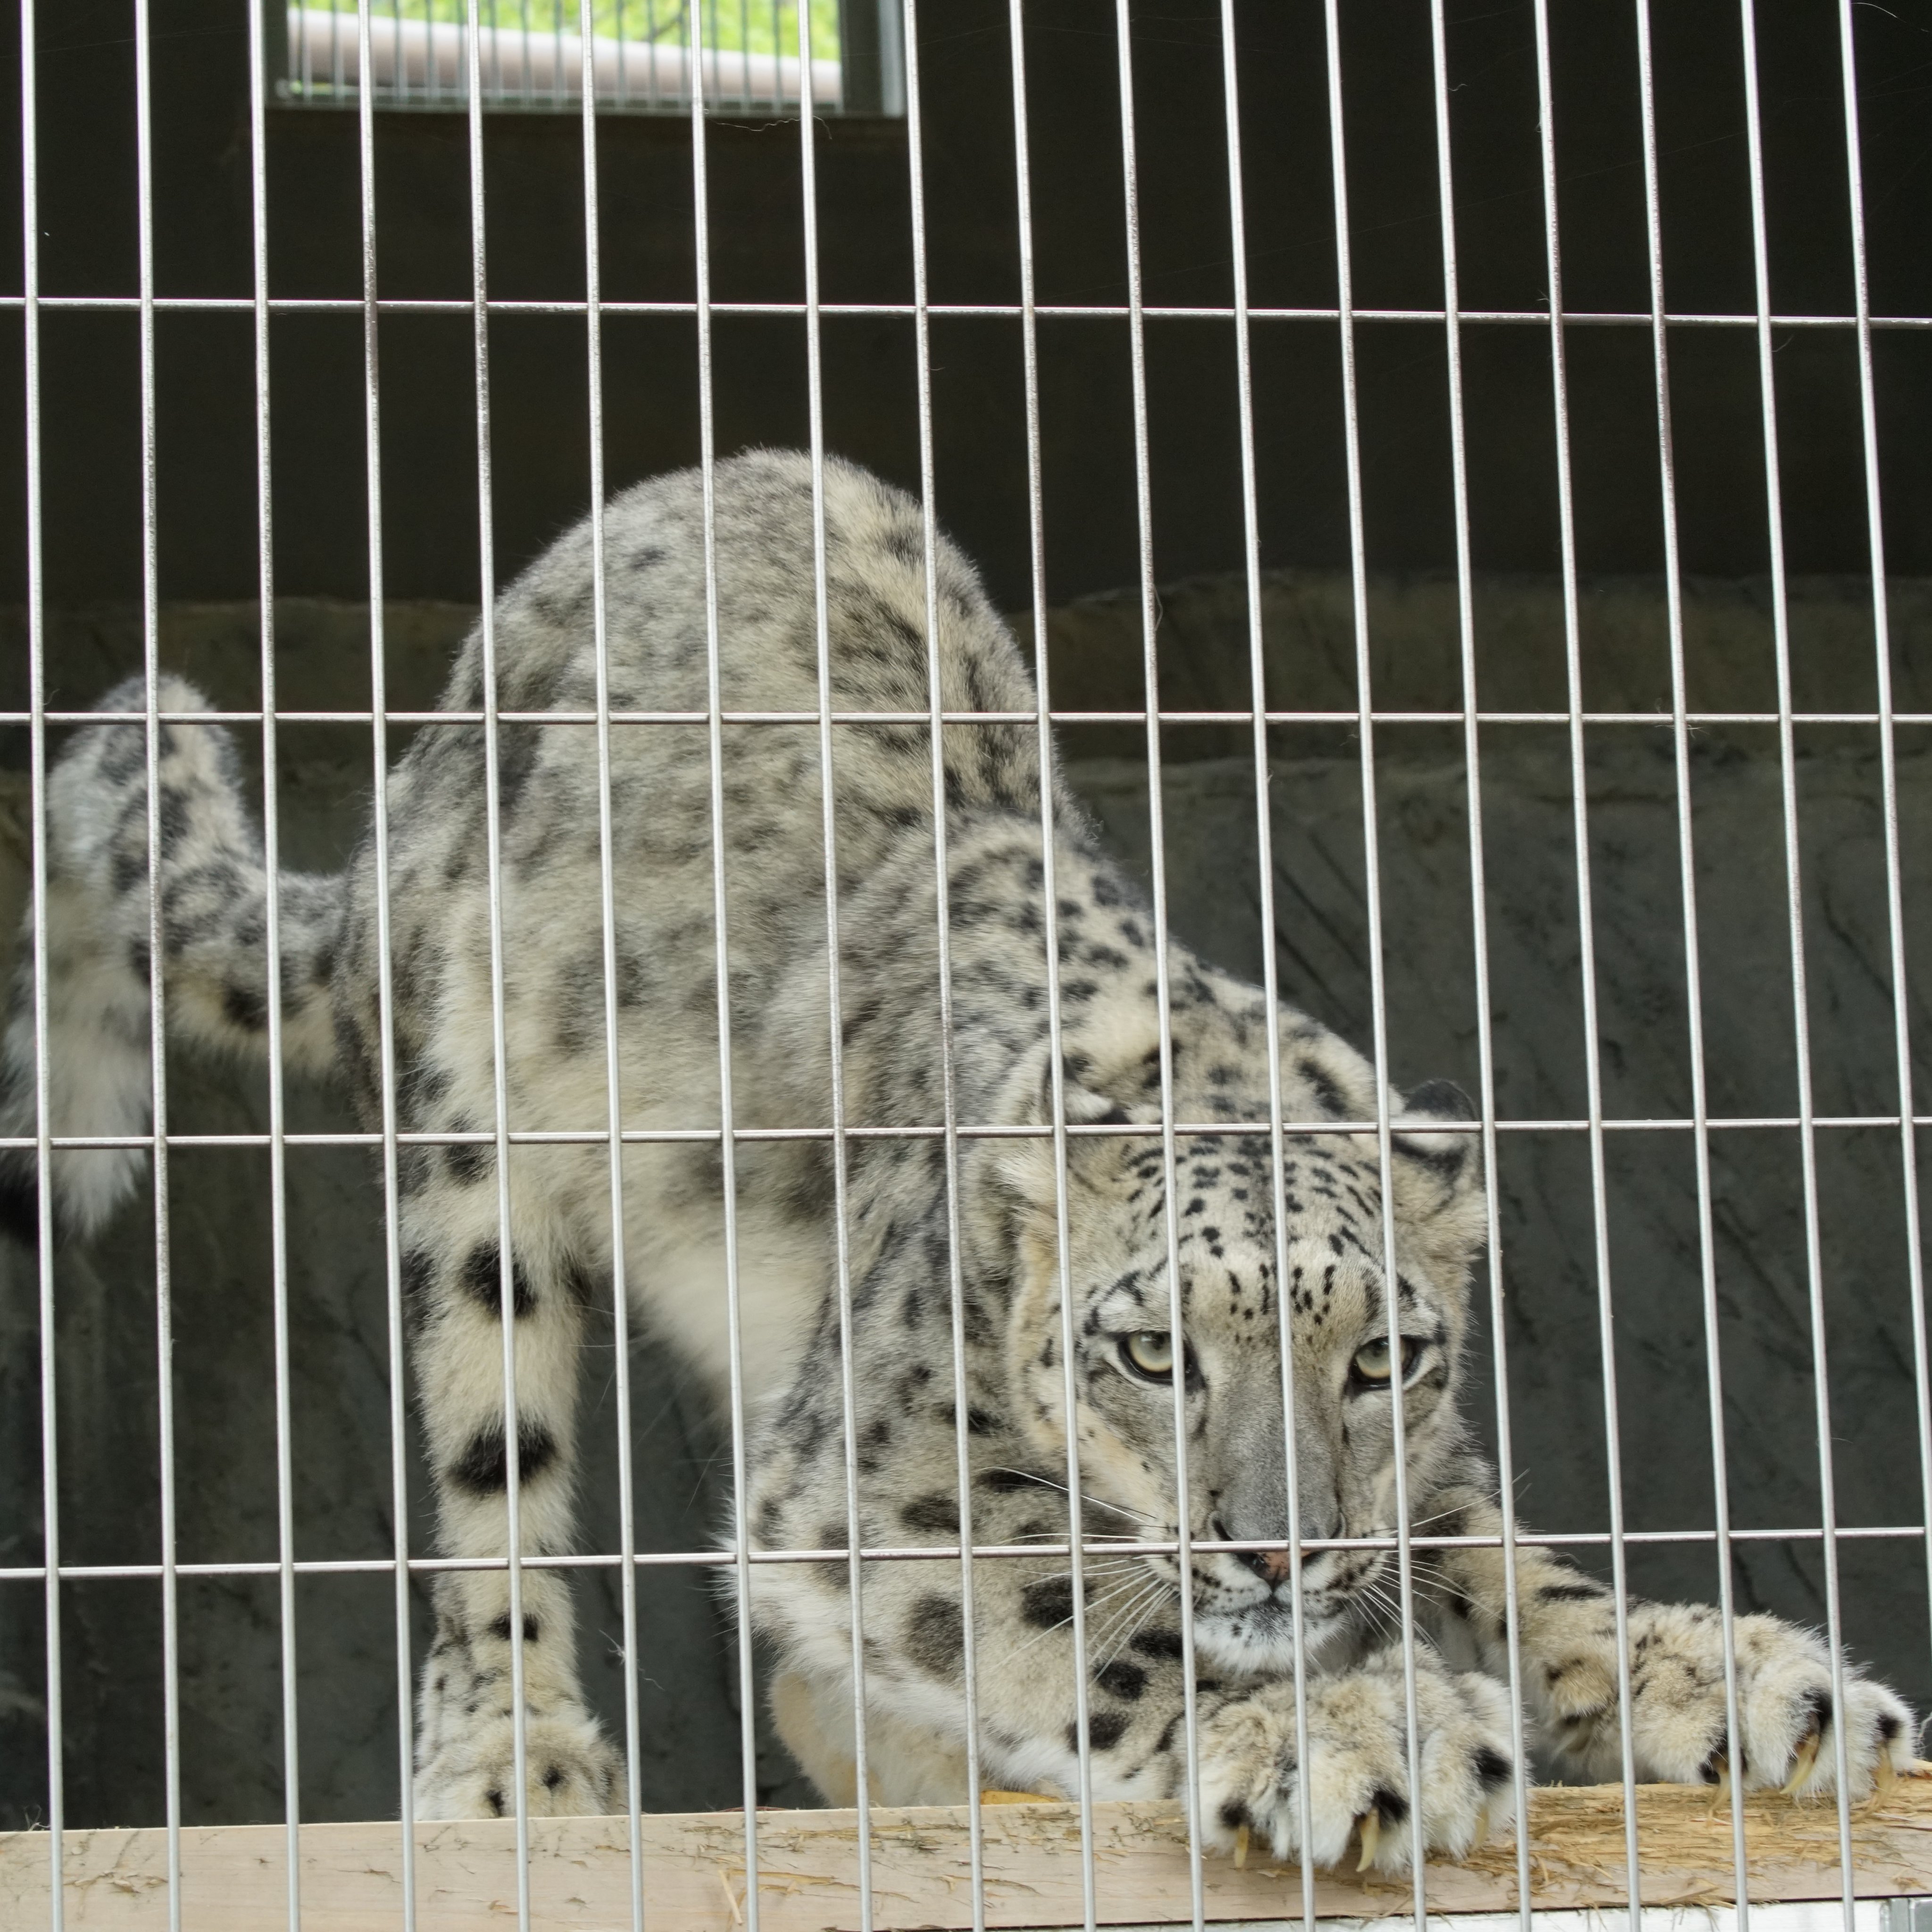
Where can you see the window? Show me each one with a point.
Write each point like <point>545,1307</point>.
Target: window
<point>645,54</point>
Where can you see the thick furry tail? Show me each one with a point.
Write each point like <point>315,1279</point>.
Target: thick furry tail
<point>214,902</point>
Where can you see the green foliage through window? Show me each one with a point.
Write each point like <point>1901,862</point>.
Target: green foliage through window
<point>733,26</point>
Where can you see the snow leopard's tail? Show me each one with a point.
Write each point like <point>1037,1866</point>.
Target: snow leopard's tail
<point>214,898</point>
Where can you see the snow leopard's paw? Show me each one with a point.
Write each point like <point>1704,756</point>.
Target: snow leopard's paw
<point>1358,1769</point>
<point>572,1771</point>
<point>1786,1718</point>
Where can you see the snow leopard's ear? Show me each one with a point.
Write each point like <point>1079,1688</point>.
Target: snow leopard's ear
<point>1438,1176</point>
<point>1089,1094</point>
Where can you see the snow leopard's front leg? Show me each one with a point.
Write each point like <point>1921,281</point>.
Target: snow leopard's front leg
<point>1356,1770</point>
<point>1568,1636</point>
<point>466,1739</point>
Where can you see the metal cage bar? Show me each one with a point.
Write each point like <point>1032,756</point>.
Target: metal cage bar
<point>1479,928</point>
<point>37,755</point>
<point>741,1557</point>
<point>1707,1247</point>
<point>607,914</point>
<point>1163,983</point>
<point>1888,721</point>
<point>1814,1259</point>
<point>156,1003</point>
<point>942,912</point>
<point>1593,1076</point>
<point>1338,165</point>
<point>389,1151</point>
<point>1270,973</point>
<point>499,1051</point>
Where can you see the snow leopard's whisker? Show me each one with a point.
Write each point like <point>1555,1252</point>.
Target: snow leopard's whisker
<point>1097,1502</point>
<point>1423,1523</point>
<point>1094,1605</point>
<point>1105,1645</point>
<point>1087,1542</point>
<point>1150,1604</point>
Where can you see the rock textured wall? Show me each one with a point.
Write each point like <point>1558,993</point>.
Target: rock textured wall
<point>345,1454</point>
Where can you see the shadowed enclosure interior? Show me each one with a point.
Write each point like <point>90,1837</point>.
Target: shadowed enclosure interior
<point>1334,449</point>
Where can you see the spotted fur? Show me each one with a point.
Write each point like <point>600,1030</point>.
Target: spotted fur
<point>910,1241</point>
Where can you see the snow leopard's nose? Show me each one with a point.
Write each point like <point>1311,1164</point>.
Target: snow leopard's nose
<point>1271,1566</point>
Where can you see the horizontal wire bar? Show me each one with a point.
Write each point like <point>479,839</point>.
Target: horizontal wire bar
<point>1061,311</point>
<point>1663,720</point>
<point>383,1566</point>
<point>1149,1130</point>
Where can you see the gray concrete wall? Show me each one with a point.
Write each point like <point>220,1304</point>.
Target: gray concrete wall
<point>343,1446</point>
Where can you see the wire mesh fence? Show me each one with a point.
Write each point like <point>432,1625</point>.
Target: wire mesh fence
<point>778,1335</point>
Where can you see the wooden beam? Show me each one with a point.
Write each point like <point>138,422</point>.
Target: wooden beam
<point>232,1875</point>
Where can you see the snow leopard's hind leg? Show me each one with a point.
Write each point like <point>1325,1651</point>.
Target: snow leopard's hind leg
<point>453,1272</point>
<point>215,924</point>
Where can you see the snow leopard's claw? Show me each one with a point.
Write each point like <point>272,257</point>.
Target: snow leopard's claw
<point>1803,1759</point>
<point>1369,1824</point>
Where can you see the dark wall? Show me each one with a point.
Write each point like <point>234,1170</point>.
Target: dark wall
<point>539,427</point>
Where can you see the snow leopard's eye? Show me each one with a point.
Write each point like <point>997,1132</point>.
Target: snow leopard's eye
<point>1149,1352</point>
<point>1371,1365</point>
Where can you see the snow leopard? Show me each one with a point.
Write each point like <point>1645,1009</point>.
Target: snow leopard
<point>905,1299</point>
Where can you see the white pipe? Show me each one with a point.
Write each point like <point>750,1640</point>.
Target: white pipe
<point>408,54</point>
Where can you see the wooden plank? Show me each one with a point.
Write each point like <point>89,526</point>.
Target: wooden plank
<point>232,1875</point>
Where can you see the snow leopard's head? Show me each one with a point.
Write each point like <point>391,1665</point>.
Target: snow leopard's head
<point>1228,1356</point>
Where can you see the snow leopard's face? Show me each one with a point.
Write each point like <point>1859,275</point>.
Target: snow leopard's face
<point>1227,1360</point>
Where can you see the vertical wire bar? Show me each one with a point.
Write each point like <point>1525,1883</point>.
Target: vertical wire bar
<point>37,699</point>
<point>1587,948</point>
<point>392,1254</point>
<point>1050,895</point>
<point>1270,970</point>
<point>1787,752</point>
<point>935,687</point>
<point>1707,1247</point>
<point>144,164</point>
<point>1156,836</point>
<point>848,1392</point>
<point>627,1575</point>
<point>1345,300</point>
<point>278,1215</point>
<point>1888,766</point>
<point>728,1144</point>
<point>498,1040</point>
<point>1479,926</point>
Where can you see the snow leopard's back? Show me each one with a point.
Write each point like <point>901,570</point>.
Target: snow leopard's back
<point>548,807</point>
